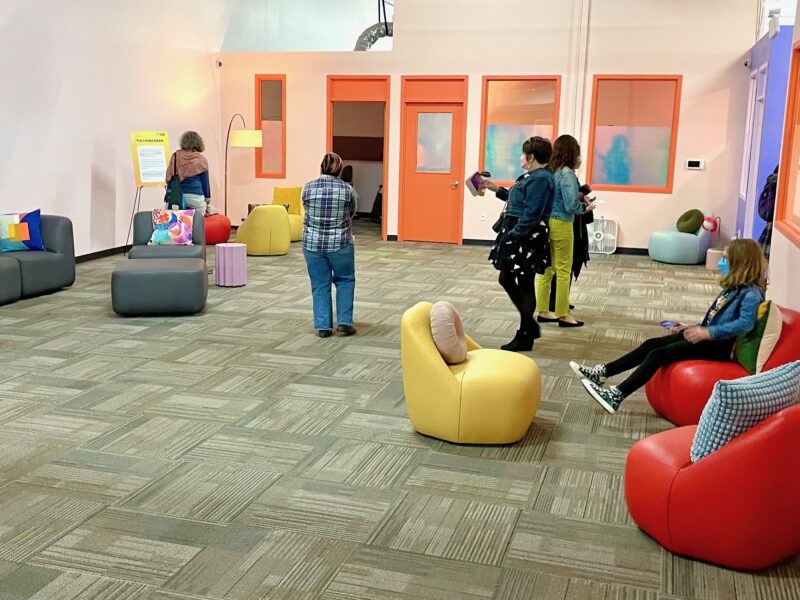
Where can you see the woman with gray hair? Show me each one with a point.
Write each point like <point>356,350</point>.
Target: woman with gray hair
<point>192,169</point>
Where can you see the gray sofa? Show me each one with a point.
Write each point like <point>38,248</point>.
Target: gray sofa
<point>30,273</point>
<point>143,229</point>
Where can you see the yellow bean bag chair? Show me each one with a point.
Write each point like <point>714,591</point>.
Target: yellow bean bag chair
<point>488,399</point>
<point>293,198</point>
<point>265,232</point>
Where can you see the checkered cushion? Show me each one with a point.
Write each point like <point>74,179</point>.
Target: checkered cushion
<point>736,406</point>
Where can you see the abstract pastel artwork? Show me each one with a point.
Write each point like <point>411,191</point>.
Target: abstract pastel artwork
<point>504,146</point>
<point>434,142</point>
<point>634,156</point>
<point>633,135</point>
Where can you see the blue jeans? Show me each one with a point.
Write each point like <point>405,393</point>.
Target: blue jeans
<point>337,268</point>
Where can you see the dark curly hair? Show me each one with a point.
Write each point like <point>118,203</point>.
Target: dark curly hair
<point>538,147</point>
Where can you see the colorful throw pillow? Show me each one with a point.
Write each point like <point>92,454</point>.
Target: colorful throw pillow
<point>690,221</point>
<point>753,349</point>
<point>172,227</point>
<point>21,231</point>
<point>448,333</point>
<point>738,405</point>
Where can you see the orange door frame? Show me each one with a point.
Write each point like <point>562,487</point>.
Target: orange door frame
<point>445,89</point>
<point>362,88</point>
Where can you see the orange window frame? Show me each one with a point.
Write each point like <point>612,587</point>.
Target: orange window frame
<point>589,153</point>
<point>785,221</point>
<point>485,108</point>
<point>258,125</point>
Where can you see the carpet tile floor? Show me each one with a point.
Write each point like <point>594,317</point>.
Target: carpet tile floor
<point>234,455</point>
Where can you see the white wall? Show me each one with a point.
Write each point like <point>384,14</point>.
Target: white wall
<point>705,41</point>
<point>300,25</point>
<point>77,77</point>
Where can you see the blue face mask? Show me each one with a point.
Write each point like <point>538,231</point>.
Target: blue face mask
<point>724,267</point>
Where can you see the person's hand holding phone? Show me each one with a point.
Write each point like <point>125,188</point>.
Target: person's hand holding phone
<point>673,326</point>
<point>489,185</point>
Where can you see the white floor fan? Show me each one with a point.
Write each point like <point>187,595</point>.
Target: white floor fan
<point>602,236</point>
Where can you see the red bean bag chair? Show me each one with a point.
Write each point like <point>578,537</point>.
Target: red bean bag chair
<point>680,391</point>
<point>218,229</point>
<point>737,507</point>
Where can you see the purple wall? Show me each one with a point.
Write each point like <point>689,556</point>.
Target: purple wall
<point>772,129</point>
<point>776,52</point>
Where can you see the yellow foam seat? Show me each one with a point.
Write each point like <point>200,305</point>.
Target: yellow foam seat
<point>293,198</point>
<point>490,398</point>
<point>266,231</point>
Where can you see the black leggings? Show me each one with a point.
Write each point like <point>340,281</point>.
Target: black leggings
<point>522,292</point>
<point>662,351</point>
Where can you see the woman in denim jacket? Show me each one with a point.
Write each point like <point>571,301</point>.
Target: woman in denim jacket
<point>566,204</point>
<point>522,246</point>
<point>733,313</point>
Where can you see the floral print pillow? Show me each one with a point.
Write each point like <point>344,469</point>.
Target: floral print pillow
<point>172,227</point>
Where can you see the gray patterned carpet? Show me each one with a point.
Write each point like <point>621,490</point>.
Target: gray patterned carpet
<point>235,455</point>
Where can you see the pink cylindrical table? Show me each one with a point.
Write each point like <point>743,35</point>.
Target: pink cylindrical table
<point>231,265</point>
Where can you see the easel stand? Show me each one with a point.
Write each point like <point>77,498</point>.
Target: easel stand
<point>137,201</point>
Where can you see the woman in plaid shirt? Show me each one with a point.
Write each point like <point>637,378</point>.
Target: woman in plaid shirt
<point>328,246</point>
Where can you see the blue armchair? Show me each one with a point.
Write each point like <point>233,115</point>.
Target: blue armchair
<point>680,248</point>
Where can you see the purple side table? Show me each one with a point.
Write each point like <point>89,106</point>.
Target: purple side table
<point>231,265</point>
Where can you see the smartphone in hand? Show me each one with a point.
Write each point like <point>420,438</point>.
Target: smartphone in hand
<point>674,326</point>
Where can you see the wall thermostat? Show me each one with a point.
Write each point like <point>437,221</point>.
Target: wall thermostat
<point>695,164</point>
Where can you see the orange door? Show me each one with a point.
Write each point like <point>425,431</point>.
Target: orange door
<point>431,207</point>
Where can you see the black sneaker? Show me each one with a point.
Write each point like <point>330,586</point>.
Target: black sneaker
<point>345,330</point>
<point>323,333</point>
<point>610,398</point>
<point>596,375</point>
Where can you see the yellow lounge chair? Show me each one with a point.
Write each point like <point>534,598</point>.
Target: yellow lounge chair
<point>292,197</point>
<point>490,398</point>
<point>265,232</point>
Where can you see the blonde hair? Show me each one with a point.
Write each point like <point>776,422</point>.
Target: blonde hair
<point>747,265</point>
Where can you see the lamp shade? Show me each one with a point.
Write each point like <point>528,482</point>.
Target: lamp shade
<point>245,138</point>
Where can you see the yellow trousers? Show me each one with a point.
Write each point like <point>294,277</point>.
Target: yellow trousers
<point>561,260</point>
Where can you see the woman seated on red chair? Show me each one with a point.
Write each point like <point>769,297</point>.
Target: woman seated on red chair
<point>732,313</point>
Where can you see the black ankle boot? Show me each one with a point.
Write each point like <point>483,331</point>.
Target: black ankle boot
<point>522,342</point>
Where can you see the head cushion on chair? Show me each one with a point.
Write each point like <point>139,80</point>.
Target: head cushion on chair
<point>690,221</point>
<point>448,333</point>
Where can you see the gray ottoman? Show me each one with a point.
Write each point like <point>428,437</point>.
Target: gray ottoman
<point>10,280</point>
<point>159,286</point>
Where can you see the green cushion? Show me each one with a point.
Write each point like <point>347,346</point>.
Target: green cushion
<point>690,221</point>
<point>753,349</point>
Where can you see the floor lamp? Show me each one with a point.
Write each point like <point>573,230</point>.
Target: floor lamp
<point>239,138</point>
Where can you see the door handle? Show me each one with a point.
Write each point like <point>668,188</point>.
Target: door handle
<point>454,185</point>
